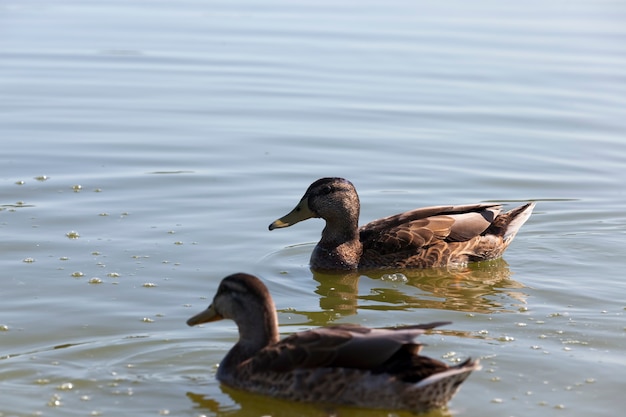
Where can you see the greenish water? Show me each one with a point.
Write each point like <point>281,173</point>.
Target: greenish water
<point>146,147</point>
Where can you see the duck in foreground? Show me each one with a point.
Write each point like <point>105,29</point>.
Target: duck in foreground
<point>421,238</point>
<point>341,364</point>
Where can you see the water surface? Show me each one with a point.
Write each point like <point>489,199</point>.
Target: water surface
<point>146,147</point>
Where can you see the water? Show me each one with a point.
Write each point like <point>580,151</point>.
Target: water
<point>146,148</point>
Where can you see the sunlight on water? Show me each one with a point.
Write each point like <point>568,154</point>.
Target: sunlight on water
<point>145,150</point>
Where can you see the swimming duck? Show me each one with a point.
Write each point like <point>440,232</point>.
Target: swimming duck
<point>421,238</point>
<point>342,364</point>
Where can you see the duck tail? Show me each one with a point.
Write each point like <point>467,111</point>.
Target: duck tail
<point>508,224</point>
<point>438,389</point>
<point>455,375</point>
<point>517,217</point>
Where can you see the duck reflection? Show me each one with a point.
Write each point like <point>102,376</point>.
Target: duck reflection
<point>483,287</point>
<point>248,404</point>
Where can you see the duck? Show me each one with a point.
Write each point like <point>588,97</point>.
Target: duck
<point>337,365</point>
<point>437,236</point>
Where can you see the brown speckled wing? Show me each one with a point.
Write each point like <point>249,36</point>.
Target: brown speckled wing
<point>423,227</point>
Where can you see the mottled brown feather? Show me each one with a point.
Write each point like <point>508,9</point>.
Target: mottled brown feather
<point>419,238</point>
<point>343,364</point>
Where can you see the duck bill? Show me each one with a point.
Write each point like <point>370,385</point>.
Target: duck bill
<point>205,316</point>
<point>299,213</point>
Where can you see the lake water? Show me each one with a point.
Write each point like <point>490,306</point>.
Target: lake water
<point>146,147</point>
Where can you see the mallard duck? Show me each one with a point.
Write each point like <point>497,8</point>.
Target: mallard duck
<point>342,364</point>
<point>421,238</point>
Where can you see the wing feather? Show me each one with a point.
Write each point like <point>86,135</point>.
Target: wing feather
<point>424,227</point>
<point>344,346</point>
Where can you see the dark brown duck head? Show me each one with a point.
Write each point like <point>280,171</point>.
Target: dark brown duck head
<point>336,201</point>
<point>244,299</point>
<point>332,199</point>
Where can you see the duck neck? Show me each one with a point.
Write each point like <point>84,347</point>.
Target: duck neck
<point>259,330</point>
<point>341,228</point>
<point>340,246</point>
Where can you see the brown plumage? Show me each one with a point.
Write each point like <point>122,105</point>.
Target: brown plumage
<point>343,364</point>
<point>420,238</point>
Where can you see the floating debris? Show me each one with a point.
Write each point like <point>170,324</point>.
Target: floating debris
<point>77,188</point>
<point>66,386</point>
<point>397,277</point>
<point>149,285</point>
<point>448,355</point>
<point>28,260</point>
<point>42,178</point>
<point>55,401</point>
<point>72,235</point>
<point>95,280</point>
<point>77,274</point>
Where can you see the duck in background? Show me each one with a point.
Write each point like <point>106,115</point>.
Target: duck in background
<point>421,238</point>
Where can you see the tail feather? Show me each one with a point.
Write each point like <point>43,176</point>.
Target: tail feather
<point>518,216</point>
<point>436,390</point>
<point>454,375</point>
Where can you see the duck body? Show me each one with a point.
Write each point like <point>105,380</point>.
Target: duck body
<point>342,364</point>
<point>421,238</point>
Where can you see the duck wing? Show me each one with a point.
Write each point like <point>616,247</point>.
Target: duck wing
<point>424,226</point>
<point>341,346</point>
